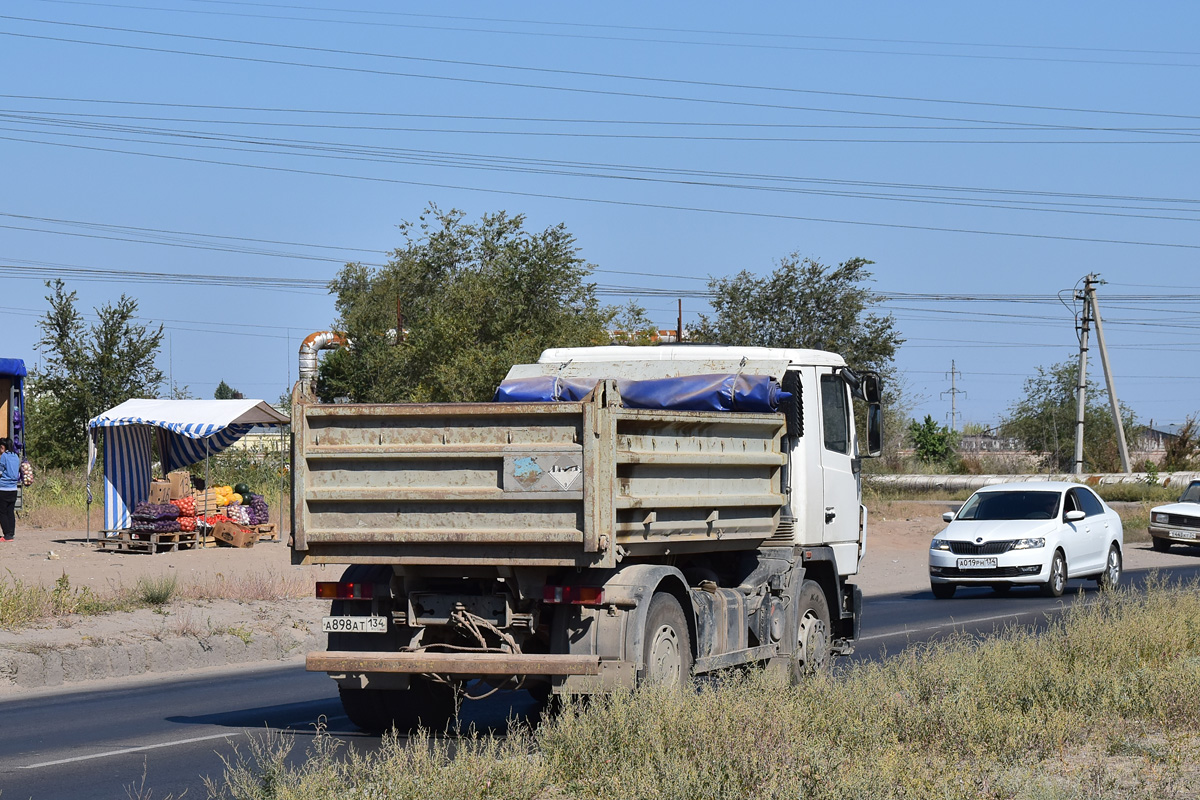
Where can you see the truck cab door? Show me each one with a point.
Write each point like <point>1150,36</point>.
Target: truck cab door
<point>838,476</point>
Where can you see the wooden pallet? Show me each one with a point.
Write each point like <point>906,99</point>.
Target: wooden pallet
<point>267,532</point>
<point>145,542</point>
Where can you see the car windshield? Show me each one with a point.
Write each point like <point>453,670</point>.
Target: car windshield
<point>1011,505</point>
<point>1192,495</point>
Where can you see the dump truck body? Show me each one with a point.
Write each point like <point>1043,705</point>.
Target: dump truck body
<point>578,546</point>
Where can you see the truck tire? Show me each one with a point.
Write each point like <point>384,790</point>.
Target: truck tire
<point>425,705</point>
<point>366,708</point>
<point>812,628</point>
<point>666,645</point>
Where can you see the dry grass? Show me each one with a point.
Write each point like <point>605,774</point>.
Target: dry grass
<point>23,605</point>
<point>1103,704</point>
<point>247,587</point>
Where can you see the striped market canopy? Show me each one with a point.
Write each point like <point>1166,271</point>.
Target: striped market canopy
<point>188,431</point>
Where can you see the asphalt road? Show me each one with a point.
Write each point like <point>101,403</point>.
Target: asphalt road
<point>99,744</point>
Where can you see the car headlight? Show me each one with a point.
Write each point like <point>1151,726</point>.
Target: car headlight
<point>939,544</point>
<point>1163,518</point>
<point>1028,544</point>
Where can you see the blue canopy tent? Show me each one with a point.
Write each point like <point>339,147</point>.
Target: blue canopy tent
<point>187,431</point>
<point>12,402</point>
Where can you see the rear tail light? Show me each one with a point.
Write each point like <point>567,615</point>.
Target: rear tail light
<point>574,595</point>
<point>345,590</point>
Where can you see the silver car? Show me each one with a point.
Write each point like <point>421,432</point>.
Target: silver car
<point>1177,523</point>
<point>1033,533</point>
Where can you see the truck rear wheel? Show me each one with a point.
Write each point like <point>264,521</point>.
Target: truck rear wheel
<point>812,646</point>
<point>424,705</point>
<point>366,708</point>
<point>666,646</point>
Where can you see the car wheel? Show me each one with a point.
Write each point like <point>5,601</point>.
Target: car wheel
<point>666,647</point>
<point>1001,588</point>
<point>1161,545</point>
<point>1054,585</point>
<point>943,591</point>
<point>812,645</point>
<point>1112,569</point>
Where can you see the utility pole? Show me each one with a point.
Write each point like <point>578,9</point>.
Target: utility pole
<point>1091,313</point>
<point>679,323</point>
<point>954,393</point>
<point>1081,386</point>
<point>1122,448</point>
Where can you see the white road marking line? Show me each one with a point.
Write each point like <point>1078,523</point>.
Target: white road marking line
<point>132,750</point>
<point>950,624</point>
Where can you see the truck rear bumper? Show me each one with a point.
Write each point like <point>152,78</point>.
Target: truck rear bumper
<point>473,664</point>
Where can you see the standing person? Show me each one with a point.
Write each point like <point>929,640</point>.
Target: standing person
<point>10,473</point>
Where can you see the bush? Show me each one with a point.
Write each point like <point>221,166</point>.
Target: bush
<point>156,591</point>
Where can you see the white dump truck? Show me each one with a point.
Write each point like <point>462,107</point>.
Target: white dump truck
<point>633,522</point>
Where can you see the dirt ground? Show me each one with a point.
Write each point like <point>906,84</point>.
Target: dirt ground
<point>40,556</point>
<point>258,591</point>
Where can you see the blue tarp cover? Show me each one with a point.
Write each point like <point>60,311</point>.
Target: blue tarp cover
<point>13,367</point>
<point>753,393</point>
<point>544,389</point>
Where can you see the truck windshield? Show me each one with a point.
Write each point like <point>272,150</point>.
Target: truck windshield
<point>1192,495</point>
<point>1011,505</point>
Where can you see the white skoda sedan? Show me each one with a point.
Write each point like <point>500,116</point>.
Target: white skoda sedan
<point>1035,533</point>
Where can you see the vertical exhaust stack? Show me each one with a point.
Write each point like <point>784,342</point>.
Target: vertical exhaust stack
<point>313,344</point>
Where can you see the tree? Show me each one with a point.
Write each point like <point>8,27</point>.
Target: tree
<point>1044,420</point>
<point>932,443</point>
<point>803,303</point>
<point>631,326</point>
<point>86,371</point>
<point>226,392</point>
<point>455,307</point>
<point>1181,450</point>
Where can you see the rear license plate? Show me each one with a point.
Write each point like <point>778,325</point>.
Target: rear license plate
<point>1183,535</point>
<point>354,625</point>
<point>977,563</point>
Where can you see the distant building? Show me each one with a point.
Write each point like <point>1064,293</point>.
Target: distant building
<point>1154,437</point>
<point>989,443</point>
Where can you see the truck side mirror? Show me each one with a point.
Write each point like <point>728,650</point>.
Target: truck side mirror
<point>874,430</point>
<point>872,388</point>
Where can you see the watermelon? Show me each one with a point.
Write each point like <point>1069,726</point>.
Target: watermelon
<point>242,488</point>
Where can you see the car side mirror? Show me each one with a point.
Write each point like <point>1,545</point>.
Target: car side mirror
<point>1075,516</point>
<point>948,516</point>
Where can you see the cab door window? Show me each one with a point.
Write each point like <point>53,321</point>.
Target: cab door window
<point>835,414</point>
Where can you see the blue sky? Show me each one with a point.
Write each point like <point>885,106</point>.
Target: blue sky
<point>985,158</point>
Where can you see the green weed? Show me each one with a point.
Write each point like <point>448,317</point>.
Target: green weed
<point>156,591</point>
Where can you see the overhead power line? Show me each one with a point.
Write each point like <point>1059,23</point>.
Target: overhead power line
<point>625,203</point>
<point>527,69</point>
